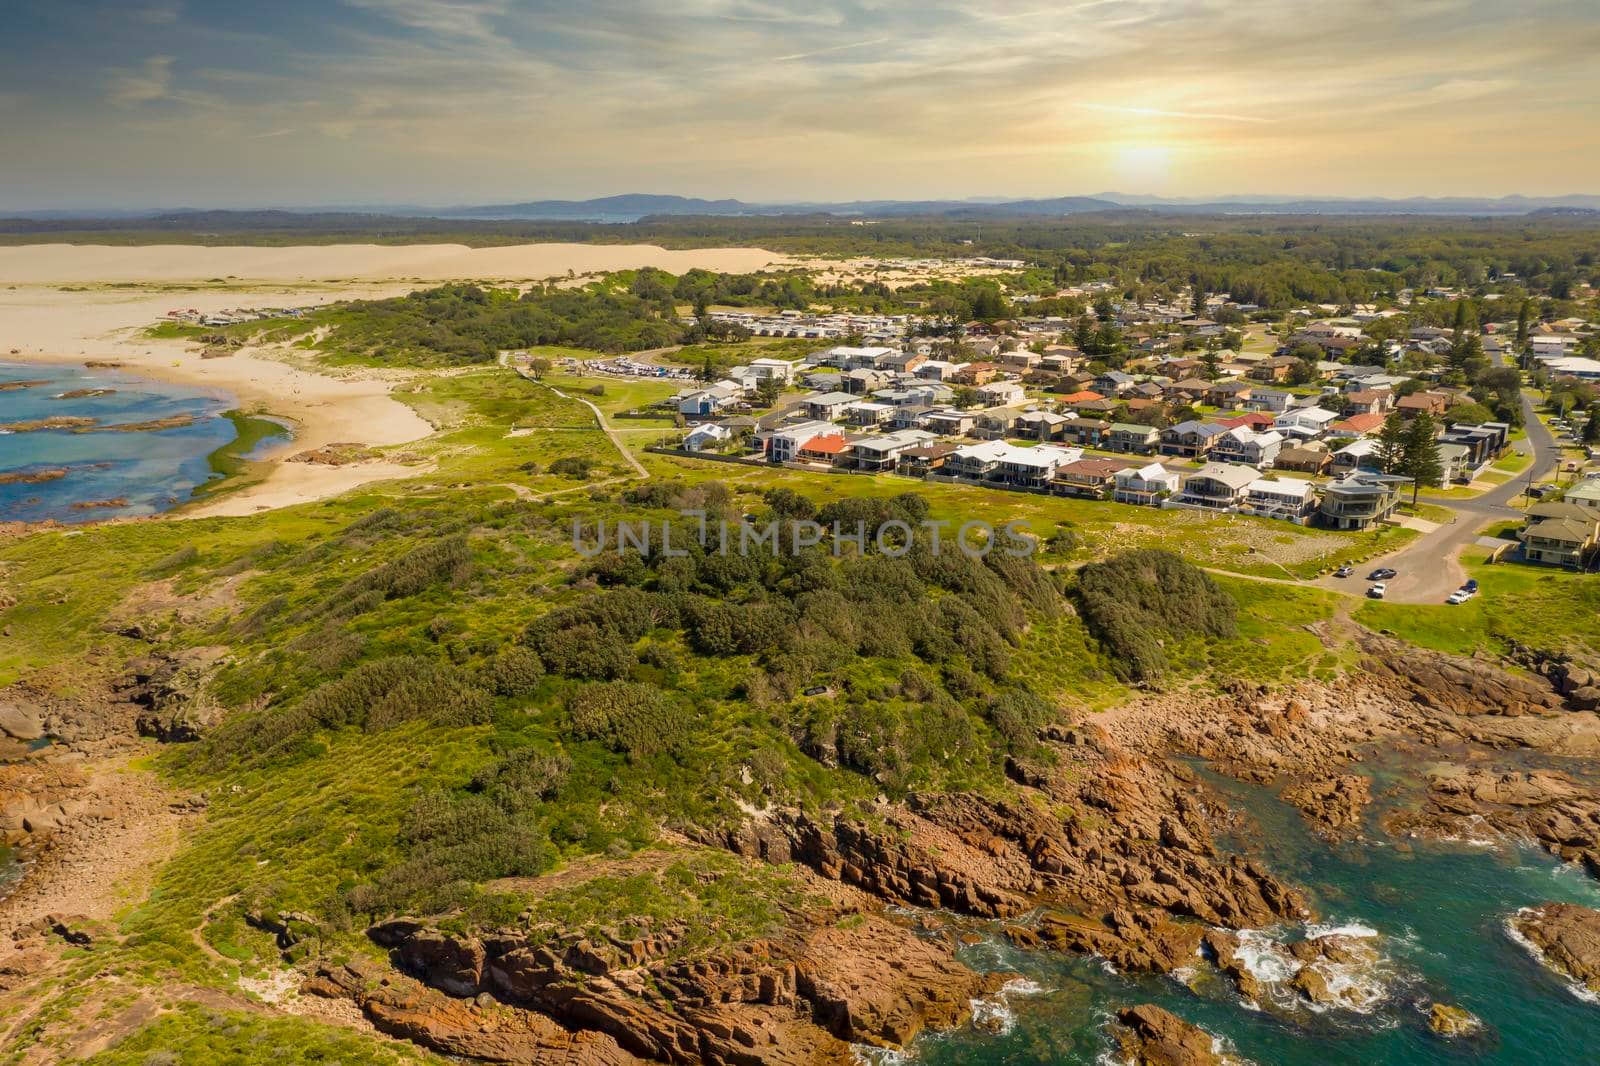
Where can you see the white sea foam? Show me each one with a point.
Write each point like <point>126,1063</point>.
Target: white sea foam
<point>1577,988</point>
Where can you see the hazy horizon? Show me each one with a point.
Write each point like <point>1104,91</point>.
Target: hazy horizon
<point>167,104</point>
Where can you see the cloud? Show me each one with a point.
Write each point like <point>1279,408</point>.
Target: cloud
<point>835,48</point>
<point>1213,116</point>
<point>149,83</point>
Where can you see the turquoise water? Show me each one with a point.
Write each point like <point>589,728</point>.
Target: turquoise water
<point>152,471</point>
<point>1438,912</point>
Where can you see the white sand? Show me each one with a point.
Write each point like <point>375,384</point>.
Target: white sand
<point>81,264</point>
<point>39,322</point>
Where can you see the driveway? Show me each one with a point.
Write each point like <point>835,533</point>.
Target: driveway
<point>1429,568</point>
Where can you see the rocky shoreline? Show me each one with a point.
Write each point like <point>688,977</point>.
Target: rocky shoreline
<point>1108,846</point>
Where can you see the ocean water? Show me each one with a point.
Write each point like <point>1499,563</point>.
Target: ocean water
<point>1435,914</point>
<point>150,470</point>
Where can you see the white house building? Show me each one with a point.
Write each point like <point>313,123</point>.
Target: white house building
<point>1146,486</point>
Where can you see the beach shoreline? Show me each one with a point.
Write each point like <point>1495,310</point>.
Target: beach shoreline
<point>73,304</point>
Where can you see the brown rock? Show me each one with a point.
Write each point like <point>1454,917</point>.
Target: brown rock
<point>1151,1036</point>
<point>1567,937</point>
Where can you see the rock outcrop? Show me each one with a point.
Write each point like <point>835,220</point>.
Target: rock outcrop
<point>1452,1021</point>
<point>1333,804</point>
<point>1150,1036</point>
<point>1567,938</point>
<point>829,980</point>
<point>475,1028</point>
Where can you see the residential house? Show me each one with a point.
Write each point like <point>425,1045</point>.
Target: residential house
<point>1191,439</point>
<point>925,459</point>
<point>779,370</point>
<point>1276,368</point>
<point>706,435</point>
<point>952,423</point>
<point>1289,499</point>
<point>1086,432</point>
<point>1360,500</point>
<point>1357,425</point>
<point>850,358</point>
<point>1146,486</point>
<point>1021,360</point>
<point>1360,454</point>
<point>937,370</point>
<point>1433,403</point>
<point>868,414</point>
<point>828,405</point>
<point>1040,425</point>
<point>1560,534</point>
<point>863,380</point>
<point>1485,442</point>
<point>882,452</point>
<point>1227,394</point>
<point>1455,464</point>
<point>1585,494</point>
<point>1095,408</point>
<point>1275,401</point>
<point>1034,468</point>
<point>1091,478</point>
<point>1367,401</point>
<point>783,444</point>
<point>1187,391</point>
<point>1217,486</point>
<point>823,448</point>
<point>1001,393</point>
<point>1248,447</point>
<point>1254,420</point>
<point>1113,382</point>
<point>1312,457</point>
<point>1131,438</point>
<point>911,416</point>
<point>1306,423</point>
<point>975,374</point>
<point>704,403</point>
<point>903,362</point>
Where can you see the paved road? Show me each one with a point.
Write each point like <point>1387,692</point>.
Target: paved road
<point>1428,567</point>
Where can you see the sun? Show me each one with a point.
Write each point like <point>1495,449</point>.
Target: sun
<point>1149,165</point>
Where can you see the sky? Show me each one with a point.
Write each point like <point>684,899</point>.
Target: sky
<point>202,103</point>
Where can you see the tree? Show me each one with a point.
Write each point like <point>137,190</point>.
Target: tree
<point>1422,463</point>
<point>1391,451</point>
<point>1524,319</point>
<point>708,369</point>
<point>1591,427</point>
<point>767,391</point>
<point>1210,364</point>
<point>539,366</point>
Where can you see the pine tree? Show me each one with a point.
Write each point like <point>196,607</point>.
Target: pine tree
<point>1524,319</point>
<point>1210,364</point>
<point>1591,428</point>
<point>1422,463</point>
<point>1391,454</point>
<point>708,370</point>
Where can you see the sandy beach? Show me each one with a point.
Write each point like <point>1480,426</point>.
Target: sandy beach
<point>74,303</point>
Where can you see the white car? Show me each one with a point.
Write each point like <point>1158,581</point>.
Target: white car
<point>1376,591</point>
<point>1458,596</point>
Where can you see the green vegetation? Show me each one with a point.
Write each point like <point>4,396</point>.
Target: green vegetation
<point>1135,602</point>
<point>192,1033</point>
<point>1518,603</point>
<point>231,461</point>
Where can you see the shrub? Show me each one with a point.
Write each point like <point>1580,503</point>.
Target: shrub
<point>634,719</point>
<point>516,671</point>
<point>576,467</point>
<point>1134,600</point>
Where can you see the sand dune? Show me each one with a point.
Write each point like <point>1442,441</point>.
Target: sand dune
<point>40,322</point>
<point>85,264</point>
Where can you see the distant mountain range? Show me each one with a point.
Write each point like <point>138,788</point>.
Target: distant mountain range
<point>639,205</point>
<point>634,206</point>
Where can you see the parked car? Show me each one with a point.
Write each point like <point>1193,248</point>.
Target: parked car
<point>1344,571</point>
<point>1459,596</point>
<point>1376,592</point>
<point>1383,573</point>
